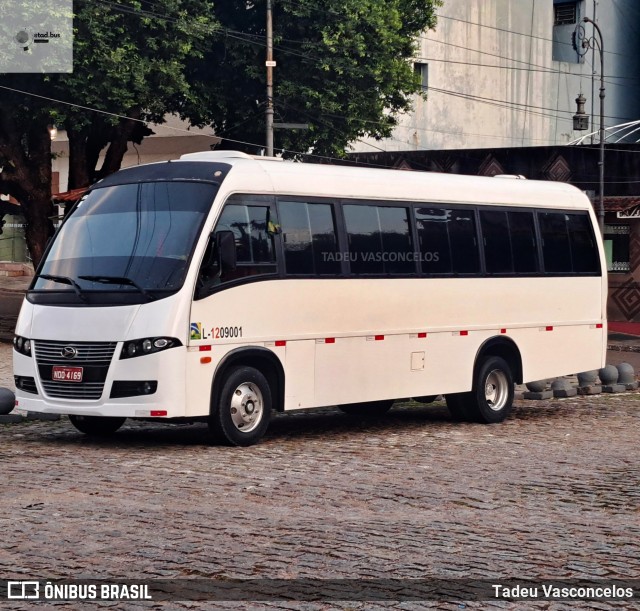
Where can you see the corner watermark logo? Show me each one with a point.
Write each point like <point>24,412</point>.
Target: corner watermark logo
<point>621,592</point>
<point>23,590</point>
<point>81,590</point>
<point>36,36</point>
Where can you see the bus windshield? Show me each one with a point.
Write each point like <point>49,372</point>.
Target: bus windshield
<point>133,239</point>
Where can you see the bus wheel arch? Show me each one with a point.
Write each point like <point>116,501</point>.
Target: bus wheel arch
<point>259,358</point>
<point>504,348</point>
<point>247,384</point>
<point>498,364</point>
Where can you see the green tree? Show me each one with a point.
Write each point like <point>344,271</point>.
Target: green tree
<point>129,62</point>
<point>343,68</point>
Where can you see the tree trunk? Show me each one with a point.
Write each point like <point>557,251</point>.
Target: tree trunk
<point>36,202</point>
<point>79,171</point>
<point>117,146</point>
<point>37,210</point>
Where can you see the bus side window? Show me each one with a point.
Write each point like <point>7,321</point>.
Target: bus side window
<point>583,244</point>
<point>523,242</point>
<point>497,243</point>
<point>379,239</point>
<point>309,238</point>
<point>556,248</point>
<point>253,229</point>
<point>448,240</point>
<point>433,235</point>
<point>464,244</point>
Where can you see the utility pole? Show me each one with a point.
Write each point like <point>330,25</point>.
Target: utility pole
<point>593,43</point>
<point>593,70</point>
<point>599,42</point>
<point>270,65</point>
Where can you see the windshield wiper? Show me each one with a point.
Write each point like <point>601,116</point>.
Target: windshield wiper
<point>118,280</point>
<point>65,280</point>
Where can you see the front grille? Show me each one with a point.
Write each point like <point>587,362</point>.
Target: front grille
<point>73,390</point>
<point>50,353</point>
<point>93,357</point>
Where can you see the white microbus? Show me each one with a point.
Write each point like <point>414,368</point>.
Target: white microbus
<point>222,287</point>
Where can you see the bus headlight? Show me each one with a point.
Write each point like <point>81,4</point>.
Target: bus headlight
<point>147,345</point>
<point>22,345</point>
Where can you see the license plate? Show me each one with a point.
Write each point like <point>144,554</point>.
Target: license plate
<point>66,374</point>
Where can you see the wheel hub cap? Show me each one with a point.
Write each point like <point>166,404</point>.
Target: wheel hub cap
<point>247,407</point>
<point>496,390</point>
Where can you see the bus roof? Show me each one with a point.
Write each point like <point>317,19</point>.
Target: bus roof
<point>324,180</point>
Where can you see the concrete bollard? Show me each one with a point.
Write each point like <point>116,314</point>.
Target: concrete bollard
<point>537,391</point>
<point>588,383</point>
<point>7,403</point>
<point>627,376</point>
<point>562,389</point>
<point>609,378</point>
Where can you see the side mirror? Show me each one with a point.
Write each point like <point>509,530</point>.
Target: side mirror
<point>226,249</point>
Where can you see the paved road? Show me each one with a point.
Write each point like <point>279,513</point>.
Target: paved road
<point>552,493</point>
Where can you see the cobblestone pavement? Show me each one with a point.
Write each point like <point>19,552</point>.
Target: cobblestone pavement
<point>551,493</point>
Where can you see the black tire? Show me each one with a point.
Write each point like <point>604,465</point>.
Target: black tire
<point>241,415</point>
<point>96,426</point>
<point>491,398</point>
<point>370,408</point>
<point>456,404</point>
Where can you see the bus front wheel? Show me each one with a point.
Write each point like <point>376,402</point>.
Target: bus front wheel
<point>242,413</point>
<point>491,398</point>
<point>96,425</point>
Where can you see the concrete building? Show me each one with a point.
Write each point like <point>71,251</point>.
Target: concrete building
<point>503,73</point>
<point>502,78</point>
<point>169,141</point>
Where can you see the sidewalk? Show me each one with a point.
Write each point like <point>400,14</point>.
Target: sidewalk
<point>12,289</point>
<point>15,284</point>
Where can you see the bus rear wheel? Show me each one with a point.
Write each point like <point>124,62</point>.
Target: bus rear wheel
<point>370,408</point>
<point>491,398</point>
<point>96,425</point>
<point>241,415</point>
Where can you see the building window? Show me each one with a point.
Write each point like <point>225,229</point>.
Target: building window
<point>616,248</point>
<point>565,13</point>
<point>565,17</point>
<point>422,70</point>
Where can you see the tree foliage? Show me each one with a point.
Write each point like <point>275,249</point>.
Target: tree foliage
<point>129,62</point>
<point>342,68</point>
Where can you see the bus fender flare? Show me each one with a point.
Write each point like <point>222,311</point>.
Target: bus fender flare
<point>505,348</point>
<point>258,357</point>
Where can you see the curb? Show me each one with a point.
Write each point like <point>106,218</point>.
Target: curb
<point>622,348</point>
<point>13,290</point>
<point>11,418</point>
<point>29,416</point>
